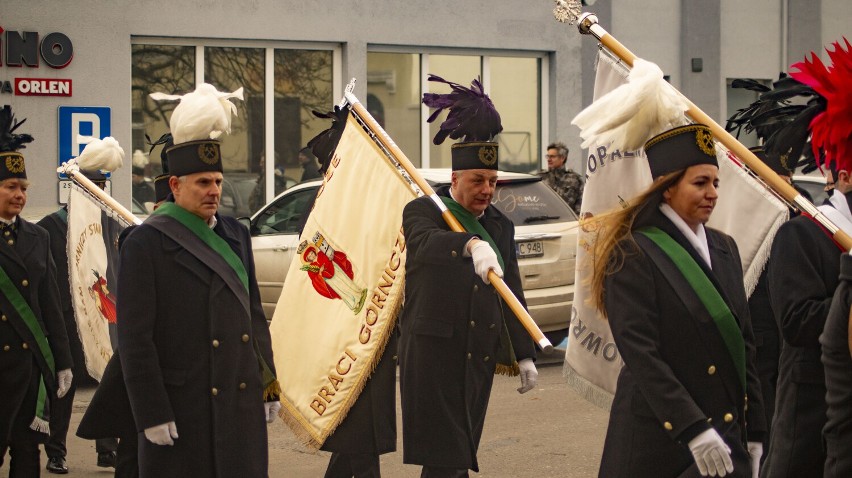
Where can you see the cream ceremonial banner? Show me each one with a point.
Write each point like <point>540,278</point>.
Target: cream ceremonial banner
<point>343,289</point>
<point>92,262</point>
<point>746,210</point>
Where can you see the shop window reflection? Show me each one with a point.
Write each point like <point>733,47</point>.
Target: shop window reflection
<point>155,68</point>
<point>393,98</point>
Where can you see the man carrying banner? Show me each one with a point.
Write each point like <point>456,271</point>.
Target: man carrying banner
<point>455,331</point>
<point>195,347</point>
<point>56,225</point>
<point>35,360</point>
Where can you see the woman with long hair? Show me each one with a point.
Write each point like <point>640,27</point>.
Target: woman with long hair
<point>688,401</point>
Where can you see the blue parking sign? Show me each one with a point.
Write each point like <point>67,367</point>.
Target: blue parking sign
<point>80,120</point>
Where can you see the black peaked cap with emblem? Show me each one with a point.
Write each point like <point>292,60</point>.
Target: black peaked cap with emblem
<point>680,148</point>
<point>472,118</point>
<point>198,156</point>
<point>11,160</point>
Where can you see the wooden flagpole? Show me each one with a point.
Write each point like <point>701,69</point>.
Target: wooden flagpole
<point>497,281</point>
<point>73,171</point>
<point>588,25</point>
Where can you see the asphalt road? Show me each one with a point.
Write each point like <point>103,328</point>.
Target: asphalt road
<point>548,432</point>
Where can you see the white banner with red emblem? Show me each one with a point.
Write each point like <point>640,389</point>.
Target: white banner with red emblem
<point>343,289</point>
<point>746,210</point>
<point>92,263</point>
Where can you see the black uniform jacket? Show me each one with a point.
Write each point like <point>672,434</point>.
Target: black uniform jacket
<point>57,228</point>
<point>838,377</point>
<point>188,355</point>
<point>30,267</point>
<point>108,414</point>
<point>803,275</point>
<point>679,378</point>
<point>451,326</point>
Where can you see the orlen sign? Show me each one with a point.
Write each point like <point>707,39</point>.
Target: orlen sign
<point>26,49</point>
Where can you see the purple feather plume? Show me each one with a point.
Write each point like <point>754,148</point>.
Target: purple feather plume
<point>9,141</point>
<point>472,115</point>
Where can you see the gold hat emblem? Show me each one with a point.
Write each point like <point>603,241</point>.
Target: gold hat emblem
<point>208,153</point>
<point>704,139</point>
<point>488,155</point>
<point>15,163</point>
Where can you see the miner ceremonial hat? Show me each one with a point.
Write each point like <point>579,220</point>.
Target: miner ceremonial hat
<point>11,160</point>
<point>471,118</point>
<point>200,118</point>
<point>680,148</point>
<point>161,187</point>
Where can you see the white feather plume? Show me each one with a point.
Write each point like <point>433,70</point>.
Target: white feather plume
<point>103,155</point>
<point>140,159</point>
<point>633,113</point>
<point>203,114</point>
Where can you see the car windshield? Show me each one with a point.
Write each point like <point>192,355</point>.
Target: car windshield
<point>531,202</point>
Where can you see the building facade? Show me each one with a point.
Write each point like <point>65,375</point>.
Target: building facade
<point>87,67</point>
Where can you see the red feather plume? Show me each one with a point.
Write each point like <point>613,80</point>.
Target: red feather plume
<point>831,130</point>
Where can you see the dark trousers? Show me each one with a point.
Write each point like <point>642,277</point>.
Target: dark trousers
<point>60,420</point>
<point>348,465</point>
<point>127,458</point>
<point>439,472</point>
<point>23,446</point>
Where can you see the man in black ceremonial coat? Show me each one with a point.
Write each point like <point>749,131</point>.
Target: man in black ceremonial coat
<point>803,275</point>
<point>56,225</point>
<point>455,328</point>
<point>194,344</point>
<point>35,359</point>
<point>838,377</point>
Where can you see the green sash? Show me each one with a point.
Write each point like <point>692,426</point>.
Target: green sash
<point>203,231</point>
<point>471,224</point>
<point>707,293</point>
<point>197,226</point>
<point>507,363</point>
<point>22,308</point>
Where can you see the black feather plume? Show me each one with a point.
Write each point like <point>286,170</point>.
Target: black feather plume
<point>472,115</point>
<point>324,144</point>
<point>9,141</point>
<point>166,140</point>
<point>780,117</point>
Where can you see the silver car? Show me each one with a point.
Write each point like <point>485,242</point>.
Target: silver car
<point>545,233</point>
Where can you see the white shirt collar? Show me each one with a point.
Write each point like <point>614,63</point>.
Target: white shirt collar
<point>8,222</point>
<point>697,239</point>
<point>212,222</point>
<point>454,199</point>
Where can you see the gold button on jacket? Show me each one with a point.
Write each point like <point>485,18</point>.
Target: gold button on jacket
<point>245,337</point>
<point>729,418</point>
<point>668,426</point>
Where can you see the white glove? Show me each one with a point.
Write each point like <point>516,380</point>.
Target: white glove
<point>755,451</point>
<point>63,382</point>
<point>484,259</point>
<point>163,434</point>
<point>711,454</point>
<point>272,409</point>
<point>529,375</point>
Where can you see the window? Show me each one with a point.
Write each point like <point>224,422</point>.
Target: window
<point>396,81</point>
<point>281,85</point>
<point>155,68</point>
<point>285,216</point>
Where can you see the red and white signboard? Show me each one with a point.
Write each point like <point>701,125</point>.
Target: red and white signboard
<point>42,87</point>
